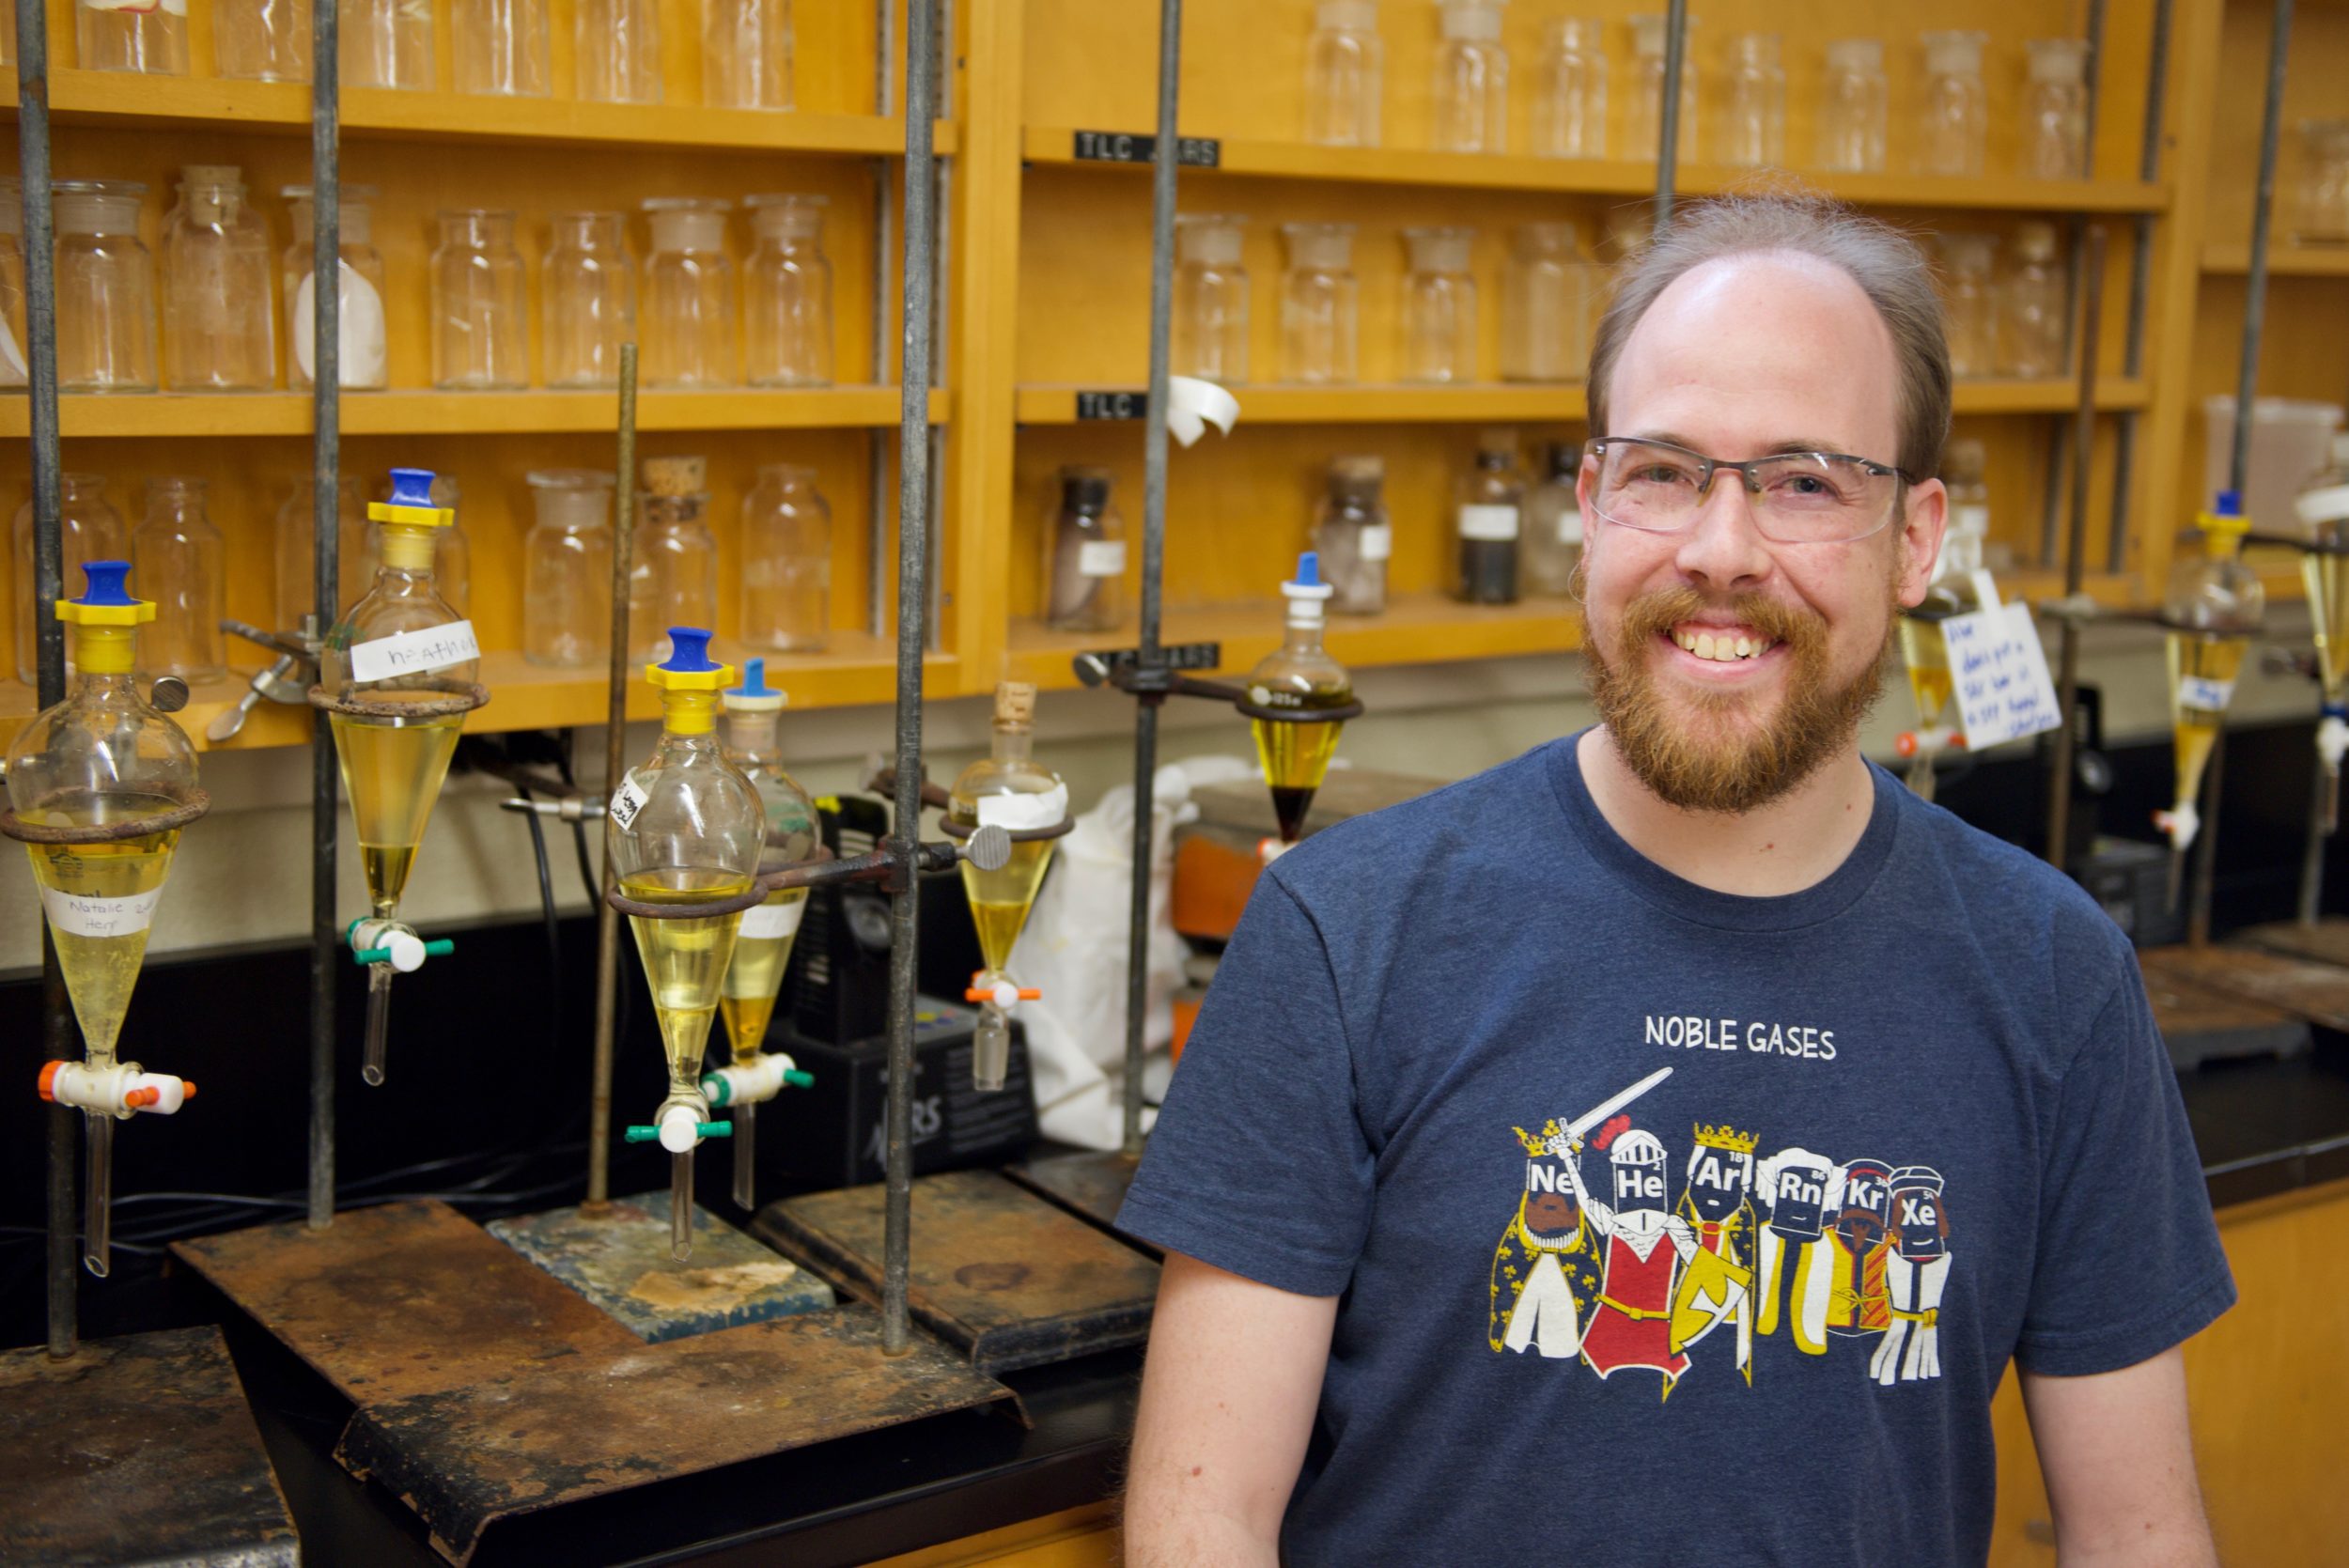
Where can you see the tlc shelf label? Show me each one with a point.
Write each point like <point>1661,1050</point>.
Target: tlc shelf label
<point>1120,146</point>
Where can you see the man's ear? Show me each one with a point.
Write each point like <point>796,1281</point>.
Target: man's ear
<point>1924,518</point>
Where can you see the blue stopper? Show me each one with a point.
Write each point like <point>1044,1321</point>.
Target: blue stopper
<point>1309,570</point>
<point>754,679</point>
<point>412,487</point>
<point>689,651</point>
<point>2229,505</point>
<point>105,582</point>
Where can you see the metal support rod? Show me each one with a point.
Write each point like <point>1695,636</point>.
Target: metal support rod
<point>2321,787</point>
<point>885,247</point>
<point>2140,287</point>
<point>2206,848</point>
<point>614,766</point>
<point>2255,283</point>
<point>1668,119</point>
<point>2075,550</point>
<point>905,829</point>
<point>326,359</point>
<point>2092,80</point>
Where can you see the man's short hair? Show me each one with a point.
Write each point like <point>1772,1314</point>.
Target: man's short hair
<point>1884,262</point>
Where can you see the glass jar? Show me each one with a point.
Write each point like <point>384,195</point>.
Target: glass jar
<point>1550,547</point>
<point>617,49</point>
<point>2054,110</point>
<point>385,43</point>
<point>364,365</point>
<point>2320,207</point>
<point>261,41</point>
<point>1211,327</point>
<point>786,562</point>
<point>1570,90</point>
<point>1953,113</point>
<point>673,581</point>
<point>1345,74</point>
<point>177,559</point>
<point>1488,522</point>
<point>689,297</point>
<point>589,294</point>
<point>1471,91</point>
<point>1320,316</point>
<point>354,559</point>
<point>1969,306</point>
<point>2031,307</point>
<point>1438,306</point>
<point>1545,305</point>
<point>480,305</point>
<point>566,570</point>
<point>1353,536</point>
<point>1753,103</point>
<point>1643,117</point>
<point>787,294</point>
<point>500,47</point>
<point>746,54</point>
<point>1084,559</point>
<point>105,283</point>
<point>14,374</point>
<point>1854,105</point>
<point>117,35</point>
<point>89,529</point>
<point>219,333</point>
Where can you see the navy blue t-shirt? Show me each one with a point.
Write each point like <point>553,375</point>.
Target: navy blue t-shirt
<point>1706,1224</point>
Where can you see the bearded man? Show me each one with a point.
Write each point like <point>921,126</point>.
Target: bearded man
<point>1714,881</point>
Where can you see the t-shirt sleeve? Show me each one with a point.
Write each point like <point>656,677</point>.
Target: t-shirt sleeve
<point>1258,1164</point>
<point>2129,1261</point>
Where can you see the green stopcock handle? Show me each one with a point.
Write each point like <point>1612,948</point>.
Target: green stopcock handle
<point>708,1130</point>
<point>440,947</point>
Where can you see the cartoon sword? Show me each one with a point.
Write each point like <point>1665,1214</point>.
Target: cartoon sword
<point>1570,1137</point>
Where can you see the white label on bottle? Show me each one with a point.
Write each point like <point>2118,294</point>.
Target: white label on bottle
<point>1570,526</point>
<point>2329,505</point>
<point>1101,558</point>
<point>1016,814</point>
<point>627,803</point>
<point>2209,696</point>
<point>413,653</point>
<point>774,919</point>
<point>1489,522</point>
<point>1377,541</point>
<point>73,914</point>
<point>1970,520</point>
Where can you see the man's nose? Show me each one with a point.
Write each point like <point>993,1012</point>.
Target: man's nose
<point>1723,546</point>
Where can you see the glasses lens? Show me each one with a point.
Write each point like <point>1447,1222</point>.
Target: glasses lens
<point>1815,496</point>
<point>1642,485</point>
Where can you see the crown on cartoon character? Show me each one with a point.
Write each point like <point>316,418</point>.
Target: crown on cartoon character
<point>1726,1137</point>
<point>1537,1143</point>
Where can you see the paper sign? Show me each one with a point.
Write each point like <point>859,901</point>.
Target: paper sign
<point>73,914</point>
<point>1016,814</point>
<point>2000,674</point>
<point>627,803</point>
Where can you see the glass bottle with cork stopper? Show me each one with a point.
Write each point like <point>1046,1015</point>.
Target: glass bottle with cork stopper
<point>673,581</point>
<point>1084,567</point>
<point>1353,538</point>
<point>1488,523</point>
<point>1009,790</point>
<point>1550,542</point>
<point>1297,699</point>
<point>2214,607</point>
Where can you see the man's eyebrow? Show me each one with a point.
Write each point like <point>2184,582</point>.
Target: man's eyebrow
<point>1778,449</point>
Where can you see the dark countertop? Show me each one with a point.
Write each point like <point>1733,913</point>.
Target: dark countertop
<point>2264,1126</point>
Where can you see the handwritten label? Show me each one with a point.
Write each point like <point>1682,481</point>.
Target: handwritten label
<point>772,920</point>
<point>414,653</point>
<point>1016,814</point>
<point>1121,146</point>
<point>2204,694</point>
<point>73,914</point>
<point>1378,542</point>
<point>1111,404</point>
<point>1101,558</point>
<point>627,803</point>
<point>2001,673</point>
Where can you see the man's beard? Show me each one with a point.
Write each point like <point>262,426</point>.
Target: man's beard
<point>1713,759</point>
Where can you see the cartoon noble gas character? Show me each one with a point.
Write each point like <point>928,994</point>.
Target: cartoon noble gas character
<point>1717,1286</point>
<point>1914,1277</point>
<point>1545,1270</point>
<point>1797,1262</point>
<point>1631,1323</point>
<point>1858,1303</point>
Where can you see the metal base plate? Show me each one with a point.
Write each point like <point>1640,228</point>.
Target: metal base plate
<point>1090,1185</point>
<point>997,1271</point>
<point>137,1450</point>
<point>2326,942</point>
<point>2200,1024</point>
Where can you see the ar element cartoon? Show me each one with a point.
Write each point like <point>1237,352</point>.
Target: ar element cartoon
<point>1717,1286</point>
<point>1914,1278</point>
<point>1800,1188</point>
<point>1544,1271</point>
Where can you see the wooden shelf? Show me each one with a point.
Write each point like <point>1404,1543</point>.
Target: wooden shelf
<point>2282,260</point>
<point>2047,395</point>
<point>417,413</point>
<point>268,723</point>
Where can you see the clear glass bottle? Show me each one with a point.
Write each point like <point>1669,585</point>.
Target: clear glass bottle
<point>1644,114</point>
<point>501,47</point>
<point>589,297</point>
<point>385,43</point>
<point>1353,536</point>
<point>674,580</point>
<point>118,35</point>
<point>1085,563</point>
<point>688,297</point>
<point>1438,306</point>
<point>261,41</point>
<point>786,562</point>
<point>1952,112</point>
<point>14,374</point>
<point>617,48</point>
<point>1299,677</point>
<point>566,570</point>
<point>1345,74</point>
<point>1854,106</point>
<point>480,305</point>
<point>105,284</point>
<point>355,551</point>
<point>1570,90</point>
<point>364,363</point>
<point>1010,789</point>
<point>2320,207</point>
<point>787,294</point>
<point>1469,97</point>
<point>1970,303</point>
<point>1488,523</point>
<point>1320,305</point>
<point>2054,110</point>
<point>90,529</point>
<point>1550,547</point>
<point>1545,305</point>
<point>2031,306</point>
<point>1211,327</point>
<point>2212,608</point>
<point>1753,106</point>
<point>746,54</point>
<point>220,333</point>
<point>180,558</point>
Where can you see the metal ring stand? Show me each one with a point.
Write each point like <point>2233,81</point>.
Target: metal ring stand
<point>196,805</point>
<point>459,700</point>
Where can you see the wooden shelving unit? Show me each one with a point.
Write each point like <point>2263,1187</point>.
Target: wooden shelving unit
<point>2283,260</point>
<point>535,412</point>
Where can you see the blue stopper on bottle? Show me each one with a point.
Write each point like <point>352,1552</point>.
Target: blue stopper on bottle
<point>689,651</point>
<point>105,579</point>
<point>2229,505</point>
<point>754,679</point>
<point>412,487</point>
<point>1309,570</point>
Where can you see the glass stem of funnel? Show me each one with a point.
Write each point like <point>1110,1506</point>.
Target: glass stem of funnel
<point>1919,780</point>
<point>990,1051</point>
<point>681,1206</point>
<point>98,1199</point>
<point>379,1023</point>
<point>745,1118</point>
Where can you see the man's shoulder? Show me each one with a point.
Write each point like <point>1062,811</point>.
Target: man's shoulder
<point>1478,820</point>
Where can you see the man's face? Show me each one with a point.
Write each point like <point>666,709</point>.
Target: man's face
<point>1739,359</point>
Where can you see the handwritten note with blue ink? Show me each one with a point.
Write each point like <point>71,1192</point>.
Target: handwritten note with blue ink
<point>2000,674</point>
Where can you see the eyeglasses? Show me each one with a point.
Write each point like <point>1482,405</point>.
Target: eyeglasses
<point>1796,497</point>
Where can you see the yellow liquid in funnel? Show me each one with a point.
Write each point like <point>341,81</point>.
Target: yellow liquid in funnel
<point>747,999</point>
<point>1000,900</point>
<point>2327,580</point>
<point>99,970</point>
<point>1928,655</point>
<point>1296,757</point>
<point>684,958</point>
<point>2195,723</point>
<point>393,773</point>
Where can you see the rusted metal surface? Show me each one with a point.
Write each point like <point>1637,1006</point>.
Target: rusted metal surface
<point>619,1260</point>
<point>2317,992</point>
<point>193,805</point>
<point>539,1435</point>
<point>138,1449</point>
<point>2326,942</point>
<point>1090,1185</point>
<point>1001,1274</point>
<point>2199,1024</point>
<point>406,1298</point>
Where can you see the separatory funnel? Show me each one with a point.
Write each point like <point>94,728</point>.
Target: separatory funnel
<point>2214,607</point>
<point>2322,508</point>
<point>396,677</point>
<point>1007,789</point>
<point>1960,587</point>
<point>99,786</point>
<point>746,1000</point>
<point>1298,698</point>
<point>684,833</point>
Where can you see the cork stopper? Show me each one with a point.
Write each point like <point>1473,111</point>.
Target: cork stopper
<point>675,477</point>
<point>1015,703</point>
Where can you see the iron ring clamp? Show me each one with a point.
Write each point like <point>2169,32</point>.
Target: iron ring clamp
<point>881,779</point>
<point>989,850</point>
<point>1155,684</point>
<point>195,804</point>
